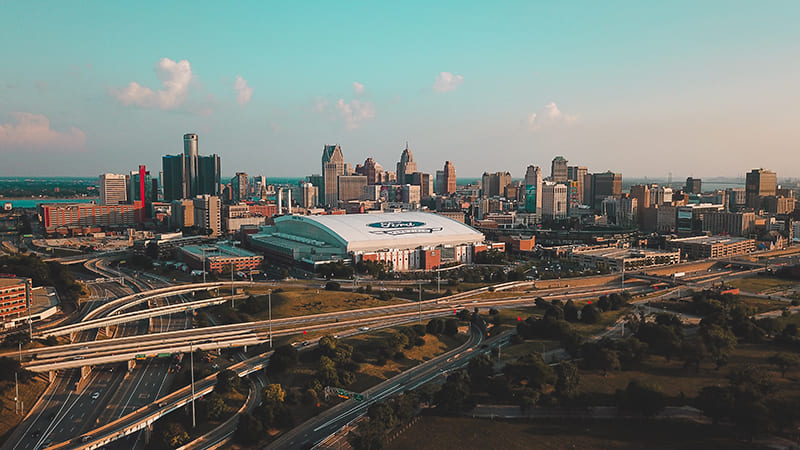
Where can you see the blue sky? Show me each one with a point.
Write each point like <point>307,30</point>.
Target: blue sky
<point>645,88</point>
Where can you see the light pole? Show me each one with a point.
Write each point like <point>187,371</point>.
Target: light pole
<point>269,296</point>
<point>420,302</point>
<point>233,304</point>
<point>191,362</point>
<point>204,264</point>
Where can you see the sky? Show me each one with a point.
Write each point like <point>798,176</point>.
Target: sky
<point>691,88</point>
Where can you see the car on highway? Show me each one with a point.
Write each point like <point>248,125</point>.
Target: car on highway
<point>95,396</point>
<point>364,328</point>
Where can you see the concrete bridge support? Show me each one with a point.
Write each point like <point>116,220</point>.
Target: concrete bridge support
<point>51,375</point>
<point>131,365</point>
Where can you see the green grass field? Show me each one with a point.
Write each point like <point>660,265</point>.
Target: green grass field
<point>457,433</point>
<point>763,284</point>
<point>29,393</point>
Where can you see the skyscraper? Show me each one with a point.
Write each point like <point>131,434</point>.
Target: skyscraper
<point>449,178</point>
<point>372,170</point>
<point>332,167</point>
<point>608,184</point>
<point>533,189</point>
<point>759,183</point>
<point>239,187</point>
<point>577,174</point>
<point>112,189</point>
<point>190,153</point>
<point>406,166</point>
<point>174,170</point>
<point>558,169</point>
<point>693,186</point>
<point>493,184</point>
<point>208,175</point>
<point>554,200</point>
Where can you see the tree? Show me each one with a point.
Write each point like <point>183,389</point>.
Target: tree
<point>590,314</point>
<point>10,366</point>
<point>227,381</point>
<point>719,342</point>
<point>435,326</point>
<point>450,327</point>
<point>784,361</point>
<point>715,402</point>
<point>15,339</point>
<point>382,414</point>
<point>326,372</point>
<point>327,345</point>
<point>570,311</point>
<point>532,369</point>
<point>284,357</point>
<point>215,406</point>
<point>648,399</point>
<point>568,379</point>
<point>599,357</point>
<point>249,430</point>
<point>751,381</point>
<point>174,435</point>
<point>480,369</point>
<point>452,396</point>
<point>274,394</point>
<point>661,339</point>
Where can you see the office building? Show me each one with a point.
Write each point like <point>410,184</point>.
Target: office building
<point>182,213</point>
<point>494,184</point>
<point>207,214</point>
<point>661,195</point>
<point>190,154</point>
<point>558,170</point>
<point>141,192</point>
<point>728,223</point>
<point>424,181</point>
<point>737,198</point>
<point>702,247</point>
<point>351,187</point>
<point>759,183</point>
<point>75,216</point>
<point>578,174</point>
<point>209,175</point>
<point>219,257</point>
<point>240,187</point>
<point>693,186</point>
<point>608,184</point>
<point>533,189</point>
<point>309,195</point>
<point>372,170</point>
<point>332,168</point>
<point>14,298</point>
<point>113,189</point>
<point>174,176</point>
<point>406,166</point>
<point>554,201</point>
<point>448,179</point>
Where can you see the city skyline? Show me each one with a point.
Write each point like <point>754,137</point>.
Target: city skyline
<point>705,89</point>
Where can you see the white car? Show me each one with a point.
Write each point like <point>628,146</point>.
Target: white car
<point>95,396</point>
<point>364,328</point>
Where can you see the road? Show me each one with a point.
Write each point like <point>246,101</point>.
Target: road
<point>328,422</point>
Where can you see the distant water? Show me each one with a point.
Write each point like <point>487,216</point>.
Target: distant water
<point>34,202</point>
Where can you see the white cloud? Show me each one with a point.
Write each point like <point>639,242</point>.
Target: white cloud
<point>243,91</point>
<point>175,78</point>
<point>355,112</point>
<point>320,104</point>
<point>358,88</point>
<point>33,132</point>
<point>549,116</point>
<point>446,81</point>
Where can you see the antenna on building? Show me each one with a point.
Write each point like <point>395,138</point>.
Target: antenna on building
<point>669,178</point>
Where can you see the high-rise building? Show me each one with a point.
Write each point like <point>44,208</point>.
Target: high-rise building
<point>641,192</point>
<point>190,154</point>
<point>608,184</point>
<point>140,192</point>
<point>693,186</point>
<point>240,187</point>
<point>424,181</point>
<point>174,176</point>
<point>577,174</point>
<point>332,167</point>
<point>494,184</point>
<point>113,189</point>
<point>449,179</point>
<point>406,166</point>
<point>554,200</point>
<point>372,170</point>
<point>351,187</point>
<point>759,183</point>
<point>558,169</point>
<point>182,215</point>
<point>208,182</point>
<point>533,189</point>
<point>309,195</point>
<point>207,214</point>
<point>661,195</point>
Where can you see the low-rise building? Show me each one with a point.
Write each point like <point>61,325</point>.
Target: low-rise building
<point>215,258</point>
<point>13,299</point>
<point>701,247</point>
<point>614,258</point>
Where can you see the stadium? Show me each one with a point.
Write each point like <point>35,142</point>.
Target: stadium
<point>407,240</point>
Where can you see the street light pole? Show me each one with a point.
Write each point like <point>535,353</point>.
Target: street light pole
<point>204,264</point>
<point>269,295</point>
<point>420,302</point>
<point>191,361</point>
<point>233,304</point>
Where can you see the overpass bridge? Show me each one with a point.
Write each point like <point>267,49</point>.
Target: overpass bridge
<point>117,318</point>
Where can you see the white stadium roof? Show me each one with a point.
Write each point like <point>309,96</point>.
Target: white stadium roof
<point>401,230</point>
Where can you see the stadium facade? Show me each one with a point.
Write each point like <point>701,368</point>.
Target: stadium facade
<point>408,240</point>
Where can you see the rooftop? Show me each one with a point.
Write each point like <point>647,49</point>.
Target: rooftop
<point>217,250</point>
<point>707,240</point>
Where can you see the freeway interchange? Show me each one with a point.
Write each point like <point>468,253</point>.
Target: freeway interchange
<point>141,345</point>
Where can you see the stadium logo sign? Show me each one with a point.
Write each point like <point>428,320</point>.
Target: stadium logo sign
<point>399,227</point>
